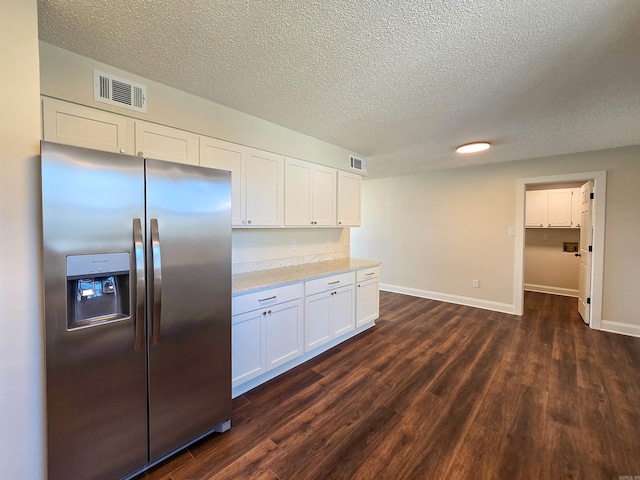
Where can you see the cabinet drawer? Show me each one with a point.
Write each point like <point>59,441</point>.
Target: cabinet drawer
<point>367,274</point>
<point>328,283</point>
<point>265,298</point>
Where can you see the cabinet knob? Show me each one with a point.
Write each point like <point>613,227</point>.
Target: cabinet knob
<point>244,222</point>
<point>122,150</point>
<point>249,222</point>
<point>140,154</point>
<point>340,223</point>
<point>264,313</point>
<point>269,312</point>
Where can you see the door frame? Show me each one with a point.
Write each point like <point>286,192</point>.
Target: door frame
<point>598,221</point>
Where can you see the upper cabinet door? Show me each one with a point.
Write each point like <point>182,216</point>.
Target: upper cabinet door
<point>297,192</point>
<point>80,126</point>
<point>323,194</point>
<point>264,187</point>
<point>227,156</point>
<point>576,207</point>
<point>560,207</point>
<point>166,143</point>
<point>309,193</point>
<point>536,206</point>
<point>348,199</point>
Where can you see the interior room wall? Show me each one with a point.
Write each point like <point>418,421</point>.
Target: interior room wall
<point>437,231</point>
<point>68,76</point>
<point>547,268</point>
<point>268,248</point>
<point>21,359</point>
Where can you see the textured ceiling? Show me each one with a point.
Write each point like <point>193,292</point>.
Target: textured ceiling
<point>401,82</point>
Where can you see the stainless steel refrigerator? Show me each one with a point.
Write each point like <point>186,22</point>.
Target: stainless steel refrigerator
<point>137,282</point>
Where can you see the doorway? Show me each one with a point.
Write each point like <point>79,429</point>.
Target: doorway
<point>598,219</point>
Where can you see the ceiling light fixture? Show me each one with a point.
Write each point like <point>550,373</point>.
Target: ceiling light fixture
<point>473,147</point>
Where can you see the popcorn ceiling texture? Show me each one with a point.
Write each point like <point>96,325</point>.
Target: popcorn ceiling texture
<point>402,82</point>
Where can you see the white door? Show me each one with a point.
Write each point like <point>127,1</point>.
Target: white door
<point>264,185</point>
<point>166,143</point>
<point>586,240</point>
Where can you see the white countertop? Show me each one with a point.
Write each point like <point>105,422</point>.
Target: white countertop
<point>276,277</point>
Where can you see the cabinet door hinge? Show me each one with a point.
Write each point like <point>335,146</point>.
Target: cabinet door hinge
<point>591,196</point>
<point>589,301</point>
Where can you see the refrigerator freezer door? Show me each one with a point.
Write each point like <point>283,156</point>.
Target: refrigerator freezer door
<point>96,378</point>
<point>189,303</point>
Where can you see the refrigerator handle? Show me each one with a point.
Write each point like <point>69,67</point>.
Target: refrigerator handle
<point>138,248</point>
<point>156,291</point>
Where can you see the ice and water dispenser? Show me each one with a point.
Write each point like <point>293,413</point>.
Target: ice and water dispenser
<point>97,289</point>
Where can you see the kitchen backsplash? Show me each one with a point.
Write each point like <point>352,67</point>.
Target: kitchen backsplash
<point>286,262</point>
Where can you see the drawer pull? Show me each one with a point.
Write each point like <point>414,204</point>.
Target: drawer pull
<point>367,274</point>
<point>265,299</point>
<point>333,283</point>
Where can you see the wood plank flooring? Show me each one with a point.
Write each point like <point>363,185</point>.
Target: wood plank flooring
<point>440,391</point>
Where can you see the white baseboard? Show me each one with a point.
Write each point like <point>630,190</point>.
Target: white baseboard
<point>445,297</point>
<point>623,328</point>
<point>567,292</point>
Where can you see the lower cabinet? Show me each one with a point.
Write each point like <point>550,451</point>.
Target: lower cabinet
<point>367,296</point>
<point>268,337</point>
<point>270,328</point>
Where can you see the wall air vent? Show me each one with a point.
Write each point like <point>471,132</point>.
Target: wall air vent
<point>119,92</point>
<point>358,164</point>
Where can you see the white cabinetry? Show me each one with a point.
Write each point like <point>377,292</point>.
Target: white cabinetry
<point>257,181</point>
<point>310,193</point>
<point>166,143</point>
<point>367,295</point>
<point>576,207</point>
<point>266,331</point>
<point>537,204</point>
<point>554,208</point>
<point>349,199</point>
<point>264,188</point>
<point>227,156</point>
<point>81,126</point>
<point>559,212</point>
<point>329,309</point>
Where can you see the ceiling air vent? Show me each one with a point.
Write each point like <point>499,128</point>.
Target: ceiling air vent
<point>119,92</point>
<point>357,164</point>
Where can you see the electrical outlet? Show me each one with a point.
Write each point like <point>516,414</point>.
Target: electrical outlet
<point>511,231</point>
<point>294,245</point>
<point>476,284</point>
<point>545,236</point>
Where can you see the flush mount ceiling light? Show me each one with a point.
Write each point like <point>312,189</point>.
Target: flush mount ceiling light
<point>473,147</point>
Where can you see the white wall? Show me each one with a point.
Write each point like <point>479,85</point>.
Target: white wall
<point>437,231</point>
<point>69,77</point>
<point>547,268</point>
<point>21,364</point>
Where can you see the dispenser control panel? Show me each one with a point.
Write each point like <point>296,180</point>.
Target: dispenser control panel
<point>97,289</point>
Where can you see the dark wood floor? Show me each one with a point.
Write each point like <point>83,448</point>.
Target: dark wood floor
<point>441,391</point>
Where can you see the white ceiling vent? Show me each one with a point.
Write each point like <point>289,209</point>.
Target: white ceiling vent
<point>119,92</point>
<point>358,164</point>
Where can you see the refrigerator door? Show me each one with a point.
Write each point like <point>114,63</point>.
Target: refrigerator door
<point>95,370</point>
<point>189,299</point>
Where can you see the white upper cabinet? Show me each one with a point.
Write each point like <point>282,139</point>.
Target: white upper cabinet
<point>310,194</point>
<point>537,204</point>
<point>576,207</point>
<point>264,188</point>
<point>348,199</point>
<point>166,143</point>
<point>81,126</point>
<point>553,208</point>
<point>257,181</point>
<point>227,156</point>
<point>559,213</point>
